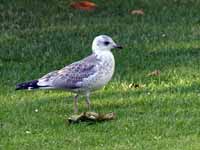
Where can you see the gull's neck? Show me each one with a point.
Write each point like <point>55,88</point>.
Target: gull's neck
<point>105,55</point>
<point>102,52</point>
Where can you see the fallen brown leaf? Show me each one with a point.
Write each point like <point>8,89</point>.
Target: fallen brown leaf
<point>137,12</point>
<point>91,117</point>
<point>84,5</point>
<point>154,73</point>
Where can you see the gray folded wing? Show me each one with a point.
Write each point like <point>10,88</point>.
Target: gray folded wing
<point>71,76</point>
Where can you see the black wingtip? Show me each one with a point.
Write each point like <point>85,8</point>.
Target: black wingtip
<point>27,85</point>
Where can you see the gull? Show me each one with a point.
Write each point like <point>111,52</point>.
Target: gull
<point>81,77</point>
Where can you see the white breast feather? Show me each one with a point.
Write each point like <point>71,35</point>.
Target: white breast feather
<point>105,70</point>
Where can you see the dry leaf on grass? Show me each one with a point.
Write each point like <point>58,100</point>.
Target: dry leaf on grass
<point>135,85</point>
<point>137,12</point>
<point>91,117</point>
<point>84,5</point>
<point>154,73</point>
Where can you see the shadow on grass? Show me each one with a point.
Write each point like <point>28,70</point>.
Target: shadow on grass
<point>175,56</point>
<point>143,61</point>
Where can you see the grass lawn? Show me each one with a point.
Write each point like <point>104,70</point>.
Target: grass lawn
<point>40,36</point>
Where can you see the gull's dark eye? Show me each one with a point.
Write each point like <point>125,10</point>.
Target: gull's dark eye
<point>106,43</point>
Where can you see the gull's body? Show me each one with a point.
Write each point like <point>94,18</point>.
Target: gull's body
<point>84,76</point>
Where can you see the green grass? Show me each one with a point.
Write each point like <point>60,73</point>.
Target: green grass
<point>39,36</point>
